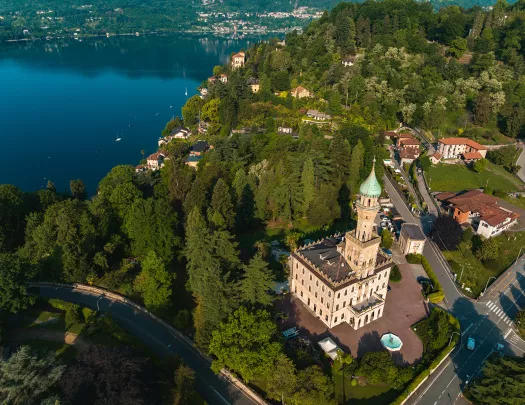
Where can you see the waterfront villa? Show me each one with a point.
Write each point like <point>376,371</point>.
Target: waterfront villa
<point>344,278</point>
<point>238,60</point>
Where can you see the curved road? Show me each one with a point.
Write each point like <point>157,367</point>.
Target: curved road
<point>215,389</point>
<point>488,320</point>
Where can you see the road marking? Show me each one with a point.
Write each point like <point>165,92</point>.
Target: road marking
<point>507,334</point>
<point>466,330</point>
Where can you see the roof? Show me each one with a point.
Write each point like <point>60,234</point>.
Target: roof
<point>462,141</point>
<point>371,187</point>
<point>408,154</point>
<point>239,55</point>
<point>200,146</point>
<point>329,347</point>
<point>155,156</point>
<point>179,130</point>
<point>436,155</point>
<point>472,156</point>
<point>299,89</point>
<point>475,201</point>
<point>413,231</point>
<point>252,80</point>
<point>409,141</point>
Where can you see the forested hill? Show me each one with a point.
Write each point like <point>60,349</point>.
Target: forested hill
<point>21,19</point>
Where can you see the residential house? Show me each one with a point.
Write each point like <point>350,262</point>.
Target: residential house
<point>196,153</point>
<point>409,143</point>
<point>344,278</point>
<point>408,155</point>
<point>238,60</point>
<point>390,134</point>
<point>176,133</point>
<point>212,79</point>
<point>300,92</point>
<point>254,84</point>
<point>480,210</point>
<point>287,131</point>
<point>204,92</point>
<point>223,78</point>
<point>402,137</point>
<point>141,168</point>
<point>435,158</point>
<point>318,116</point>
<point>349,60</point>
<point>454,148</point>
<point>411,239</point>
<point>156,161</point>
<point>470,157</point>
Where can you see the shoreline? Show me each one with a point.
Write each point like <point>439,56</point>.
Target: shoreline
<point>134,34</point>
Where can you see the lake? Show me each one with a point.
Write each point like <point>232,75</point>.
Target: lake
<point>64,102</point>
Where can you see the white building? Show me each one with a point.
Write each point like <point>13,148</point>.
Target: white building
<point>344,278</point>
<point>411,239</point>
<point>454,148</point>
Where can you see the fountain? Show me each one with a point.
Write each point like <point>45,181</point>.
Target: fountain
<point>391,342</point>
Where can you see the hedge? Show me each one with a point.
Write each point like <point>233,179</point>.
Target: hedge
<point>438,295</point>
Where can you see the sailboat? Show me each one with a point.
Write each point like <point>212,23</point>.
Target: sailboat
<point>118,139</point>
<point>186,92</point>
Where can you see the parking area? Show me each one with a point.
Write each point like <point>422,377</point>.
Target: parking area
<point>404,307</point>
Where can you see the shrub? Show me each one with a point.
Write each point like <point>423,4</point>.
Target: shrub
<point>59,304</point>
<point>437,295</point>
<point>395,275</point>
<point>182,319</point>
<point>73,314</point>
<point>88,314</point>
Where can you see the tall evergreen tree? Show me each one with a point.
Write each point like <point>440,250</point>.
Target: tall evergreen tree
<point>356,164</point>
<point>257,282</point>
<point>221,212</point>
<point>308,183</point>
<point>25,378</point>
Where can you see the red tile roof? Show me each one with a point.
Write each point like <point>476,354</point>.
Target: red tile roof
<point>436,155</point>
<point>475,201</point>
<point>409,141</point>
<point>408,154</point>
<point>462,141</point>
<point>472,156</point>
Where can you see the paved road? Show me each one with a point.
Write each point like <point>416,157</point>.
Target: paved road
<point>213,388</point>
<point>488,321</point>
<point>431,207</point>
<point>521,162</point>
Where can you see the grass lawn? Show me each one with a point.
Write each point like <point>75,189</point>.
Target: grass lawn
<point>448,177</point>
<point>518,202</point>
<point>476,273</point>
<point>380,394</point>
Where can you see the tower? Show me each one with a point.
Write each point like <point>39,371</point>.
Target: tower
<point>362,244</point>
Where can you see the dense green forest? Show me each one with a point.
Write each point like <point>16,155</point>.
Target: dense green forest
<point>193,245</point>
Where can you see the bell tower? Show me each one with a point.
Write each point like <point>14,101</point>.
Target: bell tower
<point>362,244</point>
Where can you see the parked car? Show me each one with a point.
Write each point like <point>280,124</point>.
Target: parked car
<point>471,343</point>
<point>388,252</point>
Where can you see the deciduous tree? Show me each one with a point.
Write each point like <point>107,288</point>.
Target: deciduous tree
<point>154,283</point>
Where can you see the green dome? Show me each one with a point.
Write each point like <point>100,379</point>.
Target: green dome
<point>371,187</point>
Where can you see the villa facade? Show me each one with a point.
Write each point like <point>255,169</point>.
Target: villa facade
<point>344,278</point>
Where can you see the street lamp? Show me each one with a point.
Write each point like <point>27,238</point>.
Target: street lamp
<point>486,286</point>
<point>450,341</point>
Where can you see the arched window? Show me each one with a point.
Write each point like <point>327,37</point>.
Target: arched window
<point>315,307</point>
<point>343,316</point>
<point>337,307</point>
<point>329,293</point>
<point>366,319</point>
<point>301,293</point>
<point>372,315</point>
<point>344,304</point>
<point>383,285</point>
<point>310,277</point>
<point>338,295</point>
<point>309,289</point>
<point>308,301</point>
<point>335,320</point>
<point>317,283</point>
<point>295,290</point>
<point>326,318</point>
<point>316,294</point>
<point>321,300</point>
<point>379,312</point>
<point>346,292</point>
<point>302,282</point>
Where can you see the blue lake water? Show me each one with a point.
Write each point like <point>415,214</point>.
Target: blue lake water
<point>62,103</point>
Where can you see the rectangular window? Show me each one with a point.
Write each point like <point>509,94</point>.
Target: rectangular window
<point>343,316</point>
<point>335,320</point>
<point>321,312</point>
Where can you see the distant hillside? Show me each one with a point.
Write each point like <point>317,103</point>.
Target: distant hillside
<point>22,19</point>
